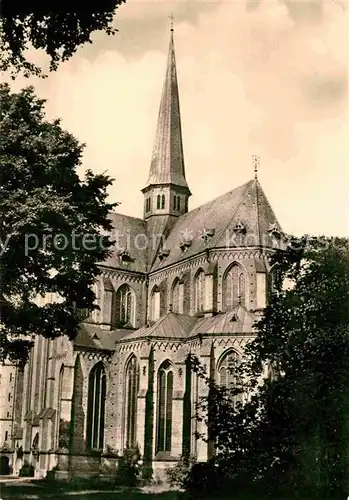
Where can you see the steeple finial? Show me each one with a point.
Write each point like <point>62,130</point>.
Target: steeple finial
<point>171,18</point>
<point>256,164</point>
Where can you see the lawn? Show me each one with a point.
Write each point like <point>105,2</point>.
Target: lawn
<point>37,490</point>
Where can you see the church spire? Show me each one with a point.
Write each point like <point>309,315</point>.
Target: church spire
<point>167,163</point>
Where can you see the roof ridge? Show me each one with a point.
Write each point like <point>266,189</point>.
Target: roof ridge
<point>214,199</point>
<point>125,215</point>
<point>259,186</point>
<point>248,186</point>
<point>255,184</point>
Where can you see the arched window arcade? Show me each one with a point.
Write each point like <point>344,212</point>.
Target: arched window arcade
<point>164,412</point>
<point>155,304</point>
<point>234,287</point>
<point>96,407</point>
<point>227,374</point>
<point>125,306</point>
<point>131,394</point>
<point>199,292</point>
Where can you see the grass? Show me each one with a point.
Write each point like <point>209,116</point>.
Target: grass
<point>85,490</point>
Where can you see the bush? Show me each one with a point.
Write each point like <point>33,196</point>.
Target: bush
<point>202,479</point>
<point>128,470</point>
<point>178,475</point>
<point>27,470</point>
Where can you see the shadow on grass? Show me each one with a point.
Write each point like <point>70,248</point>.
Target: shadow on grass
<point>86,490</point>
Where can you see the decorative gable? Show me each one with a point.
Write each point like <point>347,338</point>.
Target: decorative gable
<point>184,244</point>
<point>239,228</point>
<point>125,256</point>
<point>274,230</point>
<point>164,252</point>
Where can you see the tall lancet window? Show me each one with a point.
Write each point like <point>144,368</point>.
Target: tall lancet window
<point>95,313</point>
<point>124,306</point>
<point>162,201</point>
<point>234,287</point>
<point>59,404</point>
<point>96,407</point>
<point>155,304</point>
<point>227,375</point>
<point>158,201</point>
<point>199,292</point>
<point>177,298</point>
<point>131,394</point>
<point>164,413</point>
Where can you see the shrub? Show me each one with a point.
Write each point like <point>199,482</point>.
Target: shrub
<point>202,480</point>
<point>128,470</point>
<point>178,475</point>
<point>27,470</point>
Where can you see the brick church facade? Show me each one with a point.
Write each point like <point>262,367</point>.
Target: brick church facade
<point>178,282</point>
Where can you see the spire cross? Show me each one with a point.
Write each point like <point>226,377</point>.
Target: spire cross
<point>256,164</point>
<point>171,18</point>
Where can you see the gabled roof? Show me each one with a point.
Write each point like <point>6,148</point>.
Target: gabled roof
<point>129,234</point>
<point>246,204</point>
<point>167,163</point>
<point>239,321</point>
<point>170,326</point>
<point>93,336</point>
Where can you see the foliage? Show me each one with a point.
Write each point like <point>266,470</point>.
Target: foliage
<point>27,470</point>
<point>56,28</point>
<point>178,475</point>
<point>52,226</point>
<point>128,469</point>
<point>292,434</point>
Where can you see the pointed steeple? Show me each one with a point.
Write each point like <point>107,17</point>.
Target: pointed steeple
<point>167,163</point>
<point>166,193</point>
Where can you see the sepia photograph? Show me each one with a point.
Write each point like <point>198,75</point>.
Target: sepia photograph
<point>174,250</point>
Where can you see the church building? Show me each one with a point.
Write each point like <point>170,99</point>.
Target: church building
<point>178,281</point>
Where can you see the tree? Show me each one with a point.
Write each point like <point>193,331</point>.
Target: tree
<point>58,28</point>
<point>294,430</point>
<point>52,226</point>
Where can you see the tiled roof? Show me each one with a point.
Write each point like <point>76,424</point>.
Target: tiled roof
<point>158,228</point>
<point>246,204</point>
<point>167,164</point>
<point>129,234</point>
<point>93,336</point>
<point>175,326</point>
<point>170,326</point>
<point>236,322</point>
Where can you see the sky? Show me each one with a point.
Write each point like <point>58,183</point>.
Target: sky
<point>256,77</point>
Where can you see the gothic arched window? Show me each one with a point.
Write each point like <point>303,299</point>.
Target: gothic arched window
<point>234,287</point>
<point>158,201</point>
<point>164,414</point>
<point>155,304</point>
<point>199,292</point>
<point>178,203</point>
<point>174,202</point>
<point>227,375</point>
<point>124,306</point>
<point>162,201</point>
<point>131,394</point>
<point>177,298</point>
<point>96,407</point>
<point>59,404</point>
<point>95,313</point>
